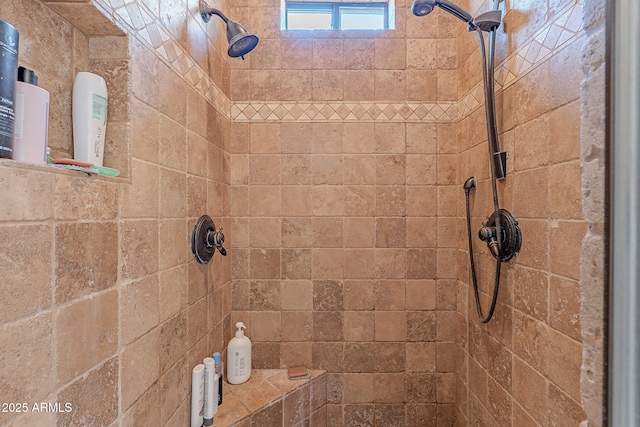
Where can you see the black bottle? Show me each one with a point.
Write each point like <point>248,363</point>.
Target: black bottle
<point>8,76</point>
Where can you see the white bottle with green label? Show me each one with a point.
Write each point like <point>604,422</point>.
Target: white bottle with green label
<point>89,112</point>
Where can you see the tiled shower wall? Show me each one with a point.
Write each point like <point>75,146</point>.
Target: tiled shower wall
<point>346,177</point>
<point>343,183</point>
<point>103,305</point>
<point>347,235</point>
<point>523,368</point>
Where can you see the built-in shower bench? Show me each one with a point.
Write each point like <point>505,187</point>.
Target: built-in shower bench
<point>270,398</point>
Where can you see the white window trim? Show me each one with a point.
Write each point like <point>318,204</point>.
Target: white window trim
<point>391,13</point>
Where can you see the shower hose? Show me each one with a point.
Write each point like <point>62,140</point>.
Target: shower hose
<point>493,144</point>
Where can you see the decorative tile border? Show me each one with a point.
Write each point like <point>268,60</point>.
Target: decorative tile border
<point>348,111</point>
<point>141,24</point>
<point>541,46</point>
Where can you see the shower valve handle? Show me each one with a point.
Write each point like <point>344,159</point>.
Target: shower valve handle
<point>489,235</point>
<point>215,240</point>
<point>486,234</point>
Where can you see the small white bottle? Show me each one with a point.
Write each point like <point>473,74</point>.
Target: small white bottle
<point>239,357</point>
<point>219,372</point>
<point>89,111</point>
<point>210,391</point>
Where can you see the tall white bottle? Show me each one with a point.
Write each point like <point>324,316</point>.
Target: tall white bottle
<point>239,357</point>
<point>197,396</point>
<point>89,111</point>
<point>32,119</point>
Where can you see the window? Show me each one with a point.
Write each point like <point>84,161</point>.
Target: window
<point>321,15</point>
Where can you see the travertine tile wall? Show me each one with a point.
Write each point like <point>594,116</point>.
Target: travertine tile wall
<point>355,231</point>
<point>103,305</point>
<point>523,368</point>
<point>348,259</point>
<point>347,236</point>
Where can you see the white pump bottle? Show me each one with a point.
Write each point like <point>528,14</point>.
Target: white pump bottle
<point>239,357</point>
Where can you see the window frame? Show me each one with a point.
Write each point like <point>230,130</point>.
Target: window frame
<point>334,9</point>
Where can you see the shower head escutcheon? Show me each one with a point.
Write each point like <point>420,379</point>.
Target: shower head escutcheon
<point>424,7</point>
<point>240,40</point>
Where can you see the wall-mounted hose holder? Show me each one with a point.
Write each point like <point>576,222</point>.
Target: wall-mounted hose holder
<point>511,236</point>
<point>205,240</point>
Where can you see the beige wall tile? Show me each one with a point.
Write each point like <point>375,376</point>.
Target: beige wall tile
<point>144,410</point>
<point>359,138</point>
<point>84,263</point>
<point>530,390</point>
<point>357,85</point>
<point>174,386</point>
<point>139,365</point>
<point>359,201</point>
<point>297,326</point>
<point>359,54</point>
<point>563,407</point>
<point>32,202</point>
<point>139,308</point>
<point>359,388</point>
<point>173,340</point>
<point>564,306</point>
<point>26,372</point>
<point>266,326</point>
<point>530,336</point>
<point>87,332</point>
<point>564,361</point>
<point>421,294</point>
<point>421,357</point>
<point>94,397</point>
<point>139,246</point>
<point>327,85</point>
<point>80,198</point>
<point>390,325</point>
<point>296,53</point>
<point>390,54</point>
<point>328,54</point>
<point>173,288</point>
<point>293,140</point>
<point>140,199</point>
<point>564,133</point>
<point>565,191</point>
<point>265,200</point>
<point>389,85</point>
<point>358,326</point>
<point>564,254</point>
<point>16,252</point>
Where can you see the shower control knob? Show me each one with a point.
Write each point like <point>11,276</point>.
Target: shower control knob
<point>510,237</point>
<point>487,233</point>
<point>218,240</point>
<point>205,240</point>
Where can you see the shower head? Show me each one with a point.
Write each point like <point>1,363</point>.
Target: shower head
<point>424,7</point>
<point>240,40</point>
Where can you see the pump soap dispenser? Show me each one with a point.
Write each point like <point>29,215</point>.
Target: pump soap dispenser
<point>239,357</point>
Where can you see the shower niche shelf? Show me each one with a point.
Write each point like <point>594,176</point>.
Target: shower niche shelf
<point>78,37</point>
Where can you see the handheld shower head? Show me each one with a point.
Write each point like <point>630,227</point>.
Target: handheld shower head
<point>424,7</point>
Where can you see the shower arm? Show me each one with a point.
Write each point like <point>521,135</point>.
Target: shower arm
<point>206,12</point>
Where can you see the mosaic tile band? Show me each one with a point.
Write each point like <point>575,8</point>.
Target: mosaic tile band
<point>140,23</point>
